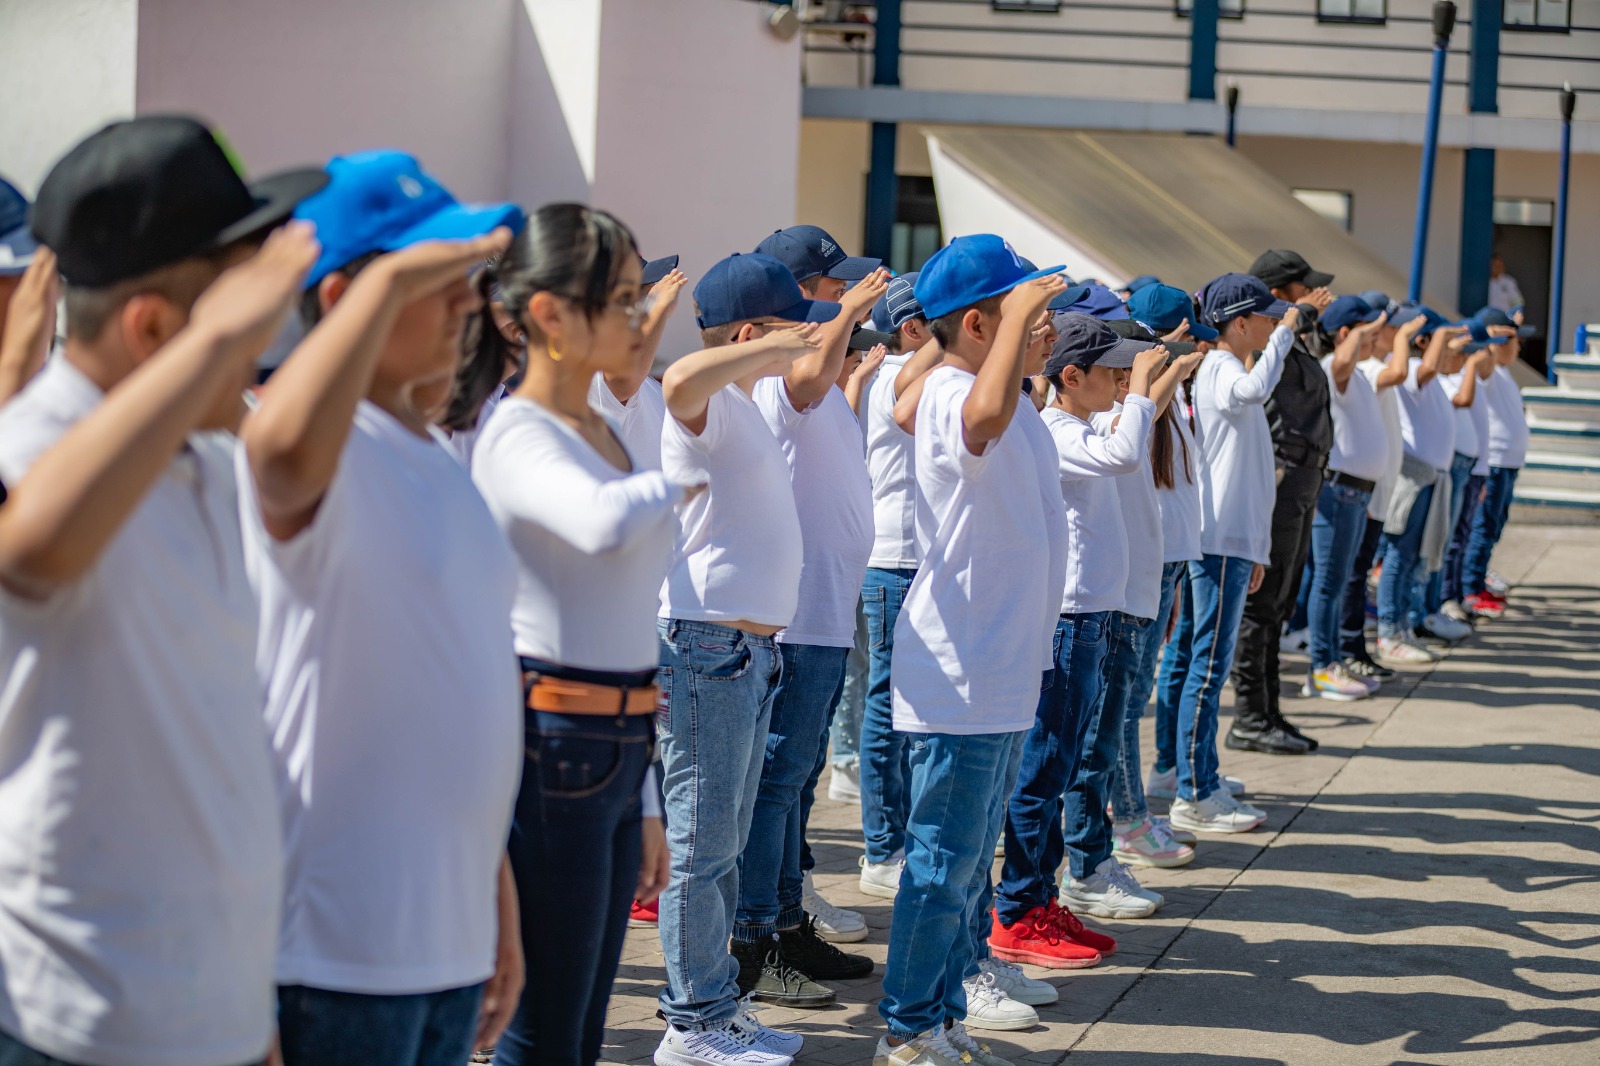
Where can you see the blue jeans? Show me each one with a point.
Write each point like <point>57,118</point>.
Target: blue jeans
<point>981,920</point>
<point>321,1028</point>
<point>1455,555</point>
<point>1195,667</point>
<point>1068,707</point>
<point>770,878</point>
<point>1429,595</point>
<point>1397,587</point>
<point>1127,778</point>
<point>1353,626</point>
<point>930,940</point>
<point>884,767</point>
<point>575,844</point>
<point>1487,525</point>
<point>1087,825</point>
<point>14,1052</point>
<point>1336,533</point>
<point>719,683</point>
<point>844,739</point>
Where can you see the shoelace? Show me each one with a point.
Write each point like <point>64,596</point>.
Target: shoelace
<point>1065,923</point>
<point>744,1023</point>
<point>938,1042</point>
<point>1161,835</point>
<point>985,987</point>
<point>821,910</point>
<point>1002,970</point>
<point>1119,875</point>
<point>786,973</point>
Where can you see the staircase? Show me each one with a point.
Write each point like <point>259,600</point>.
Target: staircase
<point>1561,481</point>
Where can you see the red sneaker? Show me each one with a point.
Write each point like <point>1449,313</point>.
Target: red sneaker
<point>1037,940</point>
<point>1074,930</point>
<point>644,915</point>
<point>1485,605</point>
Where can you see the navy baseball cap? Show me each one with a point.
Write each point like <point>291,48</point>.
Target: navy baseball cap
<point>866,338</point>
<point>383,201</point>
<point>1163,307</point>
<point>1481,337</point>
<point>1346,311</point>
<point>742,288</point>
<point>1432,319</point>
<point>16,243</point>
<point>1095,299</point>
<point>897,305</point>
<point>1379,300</point>
<point>970,269</point>
<point>1493,316</point>
<point>1084,341</point>
<point>1234,295</point>
<point>1143,281</point>
<point>653,270</point>
<point>809,252</point>
<point>1069,296</point>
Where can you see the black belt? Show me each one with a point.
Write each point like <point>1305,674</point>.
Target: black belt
<point>1339,477</point>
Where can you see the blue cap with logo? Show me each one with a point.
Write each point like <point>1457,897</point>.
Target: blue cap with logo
<point>383,201</point>
<point>1347,311</point>
<point>809,252</point>
<point>897,305</point>
<point>1085,341</point>
<point>16,243</point>
<point>1092,298</point>
<point>743,288</point>
<point>970,269</point>
<point>1143,281</point>
<point>1379,300</point>
<point>1493,316</point>
<point>1163,308</point>
<point>1235,295</point>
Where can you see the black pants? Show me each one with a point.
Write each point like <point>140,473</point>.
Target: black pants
<point>1255,659</point>
<point>1353,626</point>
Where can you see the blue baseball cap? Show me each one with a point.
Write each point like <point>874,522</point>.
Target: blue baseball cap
<point>1068,296</point>
<point>1478,330</point>
<point>1084,341</point>
<point>16,243</point>
<point>1379,300</point>
<point>1234,295</point>
<point>1163,307</point>
<point>897,305</point>
<point>742,288</point>
<point>383,201</point>
<point>809,252</point>
<point>970,269</point>
<point>1493,316</point>
<point>1347,311</point>
<point>1095,299</point>
<point>653,270</point>
<point>1432,319</point>
<point>1143,281</point>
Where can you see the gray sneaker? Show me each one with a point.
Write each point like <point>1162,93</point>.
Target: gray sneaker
<point>765,977</point>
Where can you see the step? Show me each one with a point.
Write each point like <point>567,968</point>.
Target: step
<point>1560,403</point>
<point>1557,470</point>
<point>1562,506</point>
<point>1578,372</point>
<point>1563,435</point>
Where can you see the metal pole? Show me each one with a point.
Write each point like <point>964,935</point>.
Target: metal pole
<point>1232,98</point>
<point>1444,21</point>
<point>1558,275</point>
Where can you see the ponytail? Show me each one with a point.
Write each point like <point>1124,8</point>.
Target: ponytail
<point>1162,458</point>
<point>485,353</point>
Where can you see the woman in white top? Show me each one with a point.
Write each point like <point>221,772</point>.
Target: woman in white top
<point>593,535</point>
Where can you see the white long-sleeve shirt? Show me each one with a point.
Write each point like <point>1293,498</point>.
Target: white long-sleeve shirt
<point>1238,482</point>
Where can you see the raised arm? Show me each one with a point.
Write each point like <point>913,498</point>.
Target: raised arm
<point>294,438</point>
<point>1165,387</point>
<point>689,383</point>
<point>663,301</point>
<point>1471,374</point>
<point>809,378</point>
<point>1347,353</point>
<point>855,386</point>
<point>1398,366</point>
<point>1252,388</point>
<point>993,400</point>
<point>1429,369</point>
<point>61,515</point>
<point>30,324</point>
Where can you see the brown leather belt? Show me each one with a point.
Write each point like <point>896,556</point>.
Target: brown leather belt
<point>562,696</point>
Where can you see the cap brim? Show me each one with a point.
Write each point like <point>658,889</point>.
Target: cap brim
<point>864,340</point>
<point>810,311</point>
<point>1317,279</point>
<point>276,197</point>
<point>1278,309</point>
<point>1068,298</point>
<point>656,269</point>
<point>16,251</point>
<point>1180,347</point>
<point>1122,355</point>
<point>1201,333</point>
<point>853,268</point>
<point>463,222</point>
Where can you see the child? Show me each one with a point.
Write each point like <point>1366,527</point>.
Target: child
<point>1507,451</point>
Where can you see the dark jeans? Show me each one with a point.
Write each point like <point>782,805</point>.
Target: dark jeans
<point>14,1052</point>
<point>575,842</point>
<point>1255,661</point>
<point>1336,535</point>
<point>1068,706</point>
<point>808,793</point>
<point>885,766</point>
<point>1487,526</point>
<point>1455,555</point>
<point>321,1028</point>
<point>1353,627</point>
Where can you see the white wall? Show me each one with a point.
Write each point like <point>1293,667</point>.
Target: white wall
<point>66,69</point>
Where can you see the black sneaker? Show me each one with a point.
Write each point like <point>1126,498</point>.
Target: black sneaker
<point>1271,741</point>
<point>766,977</point>
<point>1364,666</point>
<point>803,949</point>
<point>1290,728</point>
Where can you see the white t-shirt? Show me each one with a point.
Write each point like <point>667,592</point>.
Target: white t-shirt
<point>891,464</point>
<point>1360,443</point>
<point>462,441</point>
<point>1508,424</point>
<point>593,542</point>
<point>638,421</point>
<point>739,553</point>
<point>1394,447</point>
<point>1427,421</point>
<point>973,639</point>
<point>1141,523</point>
<point>1504,294</point>
<point>1238,476</point>
<point>141,860</point>
<point>1472,421</point>
<point>1180,505</point>
<point>1088,466</point>
<point>833,497</point>
<point>394,704</point>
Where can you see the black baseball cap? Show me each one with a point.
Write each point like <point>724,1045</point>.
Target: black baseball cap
<point>653,270</point>
<point>1279,267</point>
<point>1084,341</point>
<point>151,191</point>
<point>865,338</point>
<point>1131,329</point>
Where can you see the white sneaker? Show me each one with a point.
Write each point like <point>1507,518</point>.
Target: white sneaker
<point>1162,784</point>
<point>1182,836</point>
<point>1217,813</point>
<point>977,1052</point>
<point>1010,979</point>
<point>988,1006</point>
<point>881,879</point>
<point>1000,846</point>
<point>1295,642</point>
<point>1453,610</point>
<point>929,1049</point>
<point>833,923</point>
<point>844,784</point>
<point>1446,627</point>
<point>1109,892</point>
<point>1234,785</point>
<point>1147,843</point>
<point>1334,682</point>
<point>1240,805</point>
<point>774,1040</point>
<point>727,1046</point>
<point>1400,649</point>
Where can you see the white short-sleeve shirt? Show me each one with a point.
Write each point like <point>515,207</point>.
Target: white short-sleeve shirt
<point>1427,421</point>
<point>891,464</point>
<point>638,421</point>
<point>1394,447</point>
<point>1508,423</point>
<point>1360,441</point>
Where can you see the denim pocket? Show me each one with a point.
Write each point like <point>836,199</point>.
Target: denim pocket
<point>875,603</point>
<point>1089,631</point>
<point>573,765</point>
<point>716,659</point>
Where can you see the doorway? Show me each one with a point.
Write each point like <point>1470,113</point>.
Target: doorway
<point>1523,236</point>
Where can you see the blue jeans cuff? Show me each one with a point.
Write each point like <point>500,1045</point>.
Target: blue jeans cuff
<point>790,915</point>
<point>753,931</point>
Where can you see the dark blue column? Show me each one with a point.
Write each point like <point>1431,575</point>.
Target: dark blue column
<point>1203,18</point>
<point>881,181</point>
<point>1477,176</point>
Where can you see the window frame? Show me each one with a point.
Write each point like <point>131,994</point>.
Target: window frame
<point>1349,204</point>
<point>1534,27</point>
<point>1179,11</point>
<point>1354,19</point>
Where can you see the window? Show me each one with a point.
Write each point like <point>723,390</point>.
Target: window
<point>916,224</point>
<point>1510,211</point>
<point>1373,11</point>
<point>1552,15</point>
<point>1228,9</point>
<point>1047,6</point>
<point>1330,204</point>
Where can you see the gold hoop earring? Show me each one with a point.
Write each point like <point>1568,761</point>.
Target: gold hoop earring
<point>553,349</point>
